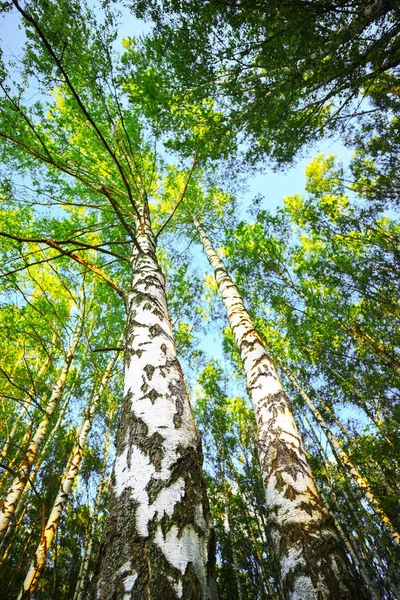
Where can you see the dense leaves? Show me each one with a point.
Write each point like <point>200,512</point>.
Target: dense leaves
<point>92,139</point>
<point>283,73</point>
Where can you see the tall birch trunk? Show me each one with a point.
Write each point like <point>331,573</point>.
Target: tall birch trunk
<point>158,542</point>
<point>343,456</point>
<point>313,565</point>
<point>24,470</point>
<point>67,482</point>
<point>82,581</point>
<point>356,528</point>
<point>25,406</point>
<point>357,560</point>
<point>19,513</point>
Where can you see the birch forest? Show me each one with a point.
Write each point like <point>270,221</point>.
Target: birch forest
<point>198,392</point>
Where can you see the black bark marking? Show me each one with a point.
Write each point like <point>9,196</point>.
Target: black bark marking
<point>290,492</point>
<point>153,395</point>
<point>143,388</point>
<point>133,432</point>
<point>179,412</point>
<point>155,330</point>
<point>149,370</point>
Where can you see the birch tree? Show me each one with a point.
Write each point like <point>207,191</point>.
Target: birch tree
<point>247,566</point>
<point>67,482</point>
<point>22,474</point>
<point>330,288</point>
<point>82,580</point>
<point>294,510</point>
<point>93,145</point>
<point>85,186</point>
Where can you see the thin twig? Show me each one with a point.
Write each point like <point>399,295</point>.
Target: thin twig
<point>182,196</point>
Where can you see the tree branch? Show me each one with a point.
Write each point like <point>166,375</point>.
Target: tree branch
<point>181,198</point>
<point>74,256</point>
<point>77,97</point>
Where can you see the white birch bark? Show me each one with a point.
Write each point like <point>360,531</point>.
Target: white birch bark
<point>11,502</point>
<point>67,482</point>
<point>342,455</point>
<point>313,565</point>
<point>158,543</point>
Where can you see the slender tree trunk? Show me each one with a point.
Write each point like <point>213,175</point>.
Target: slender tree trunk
<point>313,564</point>
<point>158,542</point>
<point>260,562</point>
<point>24,408</point>
<point>18,568</point>
<point>362,404</point>
<point>82,581</point>
<point>372,464</point>
<point>21,505</point>
<point>357,528</point>
<point>379,350</point>
<point>357,561</point>
<point>341,455</point>
<point>67,482</point>
<point>232,539</point>
<point>19,483</point>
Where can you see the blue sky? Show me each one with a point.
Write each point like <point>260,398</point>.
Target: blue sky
<point>272,186</point>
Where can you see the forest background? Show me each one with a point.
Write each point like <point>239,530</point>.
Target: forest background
<point>93,145</point>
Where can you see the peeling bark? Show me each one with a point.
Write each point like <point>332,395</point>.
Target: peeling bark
<point>313,564</point>
<point>158,542</point>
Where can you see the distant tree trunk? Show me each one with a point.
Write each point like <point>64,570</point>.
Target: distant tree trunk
<point>82,581</point>
<point>313,564</point>
<point>342,455</point>
<point>26,404</point>
<point>232,539</point>
<point>358,532</point>
<point>158,542</point>
<point>357,561</point>
<point>261,562</point>
<point>378,349</point>
<point>372,464</point>
<point>22,502</point>
<point>361,403</point>
<point>24,470</point>
<point>67,481</point>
